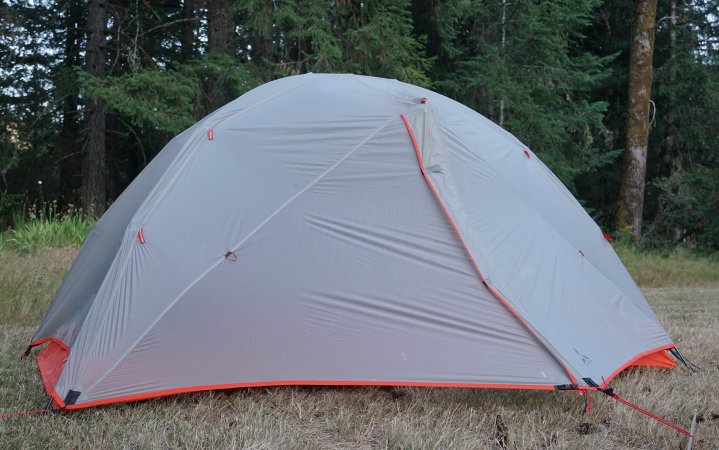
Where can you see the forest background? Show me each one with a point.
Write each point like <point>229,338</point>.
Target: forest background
<point>90,91</point>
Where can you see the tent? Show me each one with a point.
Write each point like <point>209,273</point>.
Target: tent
<point>343,230</point>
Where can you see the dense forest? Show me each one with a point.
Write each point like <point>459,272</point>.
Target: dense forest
<point>90,91</point>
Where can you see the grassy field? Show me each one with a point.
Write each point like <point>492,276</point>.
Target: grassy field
<point>684,291</point>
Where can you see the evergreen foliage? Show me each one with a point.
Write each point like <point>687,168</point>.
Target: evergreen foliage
<point>551,72</point>
<point>537,83</point>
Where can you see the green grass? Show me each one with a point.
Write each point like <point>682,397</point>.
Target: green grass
<point>680,267</point>
<point>29,236</point>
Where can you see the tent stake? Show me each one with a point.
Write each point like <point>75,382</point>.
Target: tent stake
<point>692,430</point>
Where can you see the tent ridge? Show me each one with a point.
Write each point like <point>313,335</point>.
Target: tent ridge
<point>494,292</point>
<point>311,76</point>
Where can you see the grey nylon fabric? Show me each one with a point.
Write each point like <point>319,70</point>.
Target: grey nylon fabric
<point>347,268</point>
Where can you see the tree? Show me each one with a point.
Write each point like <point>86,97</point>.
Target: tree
<point>682,198</point>
<point>189,25</point>
<point>67,90</point>
<point>667,152</point>
<point>93,174</point>
<point>220,42</point>
<point>32,36</point>
<point>378,39</point>
<point>554,73</point>
<point>507,61</point>
<point>631,195</point>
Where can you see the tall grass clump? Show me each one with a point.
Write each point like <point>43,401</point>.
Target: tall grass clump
<point>40,228</point>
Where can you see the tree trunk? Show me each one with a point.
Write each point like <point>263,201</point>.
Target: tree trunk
<point>220,40</point>
<point>666,164</point>
<point>93,180</point>
<point>631,194</point>
<point>188,30</point>
<point>70,136</point>
<point>220,26</point>
<point>261,39</point>
<point>504,44</point>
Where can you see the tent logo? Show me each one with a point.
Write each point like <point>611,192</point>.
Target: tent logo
<point>585,359</point>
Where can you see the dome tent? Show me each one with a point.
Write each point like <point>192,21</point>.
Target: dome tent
<point>339,229</point>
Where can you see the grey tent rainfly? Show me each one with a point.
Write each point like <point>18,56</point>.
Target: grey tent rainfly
<point>343,230</point>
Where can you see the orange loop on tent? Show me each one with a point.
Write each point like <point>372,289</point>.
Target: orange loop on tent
<point>211,134</point>
<point>526,152</point>
<point>581,252</point>
<point>607,236</point>
<point>141,236</point>
<point>423,100</point>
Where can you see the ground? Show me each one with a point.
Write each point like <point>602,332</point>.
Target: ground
<point>368,417</point>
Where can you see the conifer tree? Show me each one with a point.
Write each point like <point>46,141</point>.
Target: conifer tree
<point>509,62</point>
<point>93,172</point>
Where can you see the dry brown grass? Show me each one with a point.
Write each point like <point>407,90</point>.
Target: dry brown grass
<point>28,282</point>
<point>364,417</point>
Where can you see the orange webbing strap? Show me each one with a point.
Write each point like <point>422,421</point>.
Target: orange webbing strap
<point>32,411</point>
<point>645,412</point>
<point>587,401</point>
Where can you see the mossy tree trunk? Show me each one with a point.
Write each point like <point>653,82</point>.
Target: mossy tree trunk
<point>631,194</point>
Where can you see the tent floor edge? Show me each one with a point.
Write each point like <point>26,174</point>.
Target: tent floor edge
<point>326,383</point>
